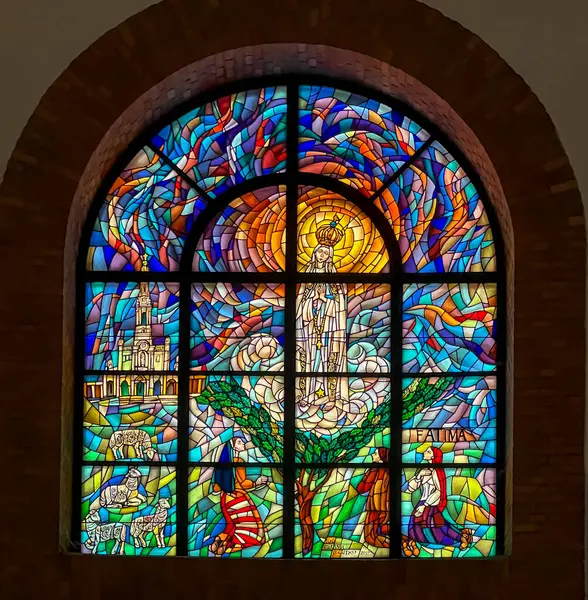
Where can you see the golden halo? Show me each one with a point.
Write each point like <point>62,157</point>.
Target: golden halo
<point>361,248</point>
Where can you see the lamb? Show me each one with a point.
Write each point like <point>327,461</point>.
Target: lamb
<point>138,439</point>
<point>125,493</point>
<point>102,532</point>
<point>154,523</point>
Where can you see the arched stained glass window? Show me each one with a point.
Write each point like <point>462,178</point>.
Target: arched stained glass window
<point>291,336</point>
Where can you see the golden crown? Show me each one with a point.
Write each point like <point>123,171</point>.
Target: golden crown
<point>331,233</point>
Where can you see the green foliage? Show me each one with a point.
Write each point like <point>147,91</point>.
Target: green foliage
<point>343,447</point>
<point>420,394</point>
<point>229,399</point>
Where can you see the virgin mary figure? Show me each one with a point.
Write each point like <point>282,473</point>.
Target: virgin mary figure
<point>321,329</point>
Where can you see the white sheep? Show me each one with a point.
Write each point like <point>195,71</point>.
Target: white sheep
<point>125,493</point>
<point>138,439</point>
<point>149,524</point>
<point>102,532</point>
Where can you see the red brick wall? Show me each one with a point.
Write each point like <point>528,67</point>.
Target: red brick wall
<point>70,142</point>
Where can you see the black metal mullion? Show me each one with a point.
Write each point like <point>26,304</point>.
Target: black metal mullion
<point>235,464</point>
<point>501,415</point>
<point>350,278</point>
<point>449,278</point>
<point>439,374</point>
<point>182,467</point>
<point>174,276</point>
<point>341,465</point>
<point>179,172</point>
<point>395,456</point>
<point>239,278</point>
<point>451,465</point>
<point>229,373</point>
<point>129,463</point>
<point>279,465</point>
<point>130,372</point>
<point>289,470</point>
<point>345,374</point>
<point>406,165</point>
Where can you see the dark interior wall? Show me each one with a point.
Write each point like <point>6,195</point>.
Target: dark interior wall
<point>49,168</point>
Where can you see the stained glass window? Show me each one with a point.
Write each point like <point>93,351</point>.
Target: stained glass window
<point>291,336</point>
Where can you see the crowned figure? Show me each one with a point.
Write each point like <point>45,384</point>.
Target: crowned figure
<point>321,330</point>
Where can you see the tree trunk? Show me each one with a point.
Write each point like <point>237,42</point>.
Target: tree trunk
<point>305,496</point>
<point>305,504</point>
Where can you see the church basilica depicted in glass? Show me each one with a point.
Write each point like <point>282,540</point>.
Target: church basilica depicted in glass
<point>292,341</point>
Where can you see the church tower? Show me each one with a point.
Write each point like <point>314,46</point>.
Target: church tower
<point>143,342</point>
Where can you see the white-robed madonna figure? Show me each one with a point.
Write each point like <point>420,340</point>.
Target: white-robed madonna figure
<point>321,329</point>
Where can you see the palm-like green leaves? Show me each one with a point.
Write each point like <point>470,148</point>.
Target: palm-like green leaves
<point>229,399</point>
<point>420,394</point>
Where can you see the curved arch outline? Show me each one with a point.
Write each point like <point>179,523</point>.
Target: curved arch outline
<point>396,278</point>
<point>217,205</point>
<point>294,81</point>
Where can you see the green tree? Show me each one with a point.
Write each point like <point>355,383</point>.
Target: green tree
<point>230,400</point>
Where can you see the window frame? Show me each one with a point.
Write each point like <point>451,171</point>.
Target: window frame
<point>396,278</point>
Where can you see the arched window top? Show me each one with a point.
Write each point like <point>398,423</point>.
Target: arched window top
<point>341,141</point>
<point>292,341</point>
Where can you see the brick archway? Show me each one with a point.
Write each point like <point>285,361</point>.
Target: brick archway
<point>114,89</point>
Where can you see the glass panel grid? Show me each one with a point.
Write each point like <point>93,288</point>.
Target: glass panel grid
<point>357,421</point>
